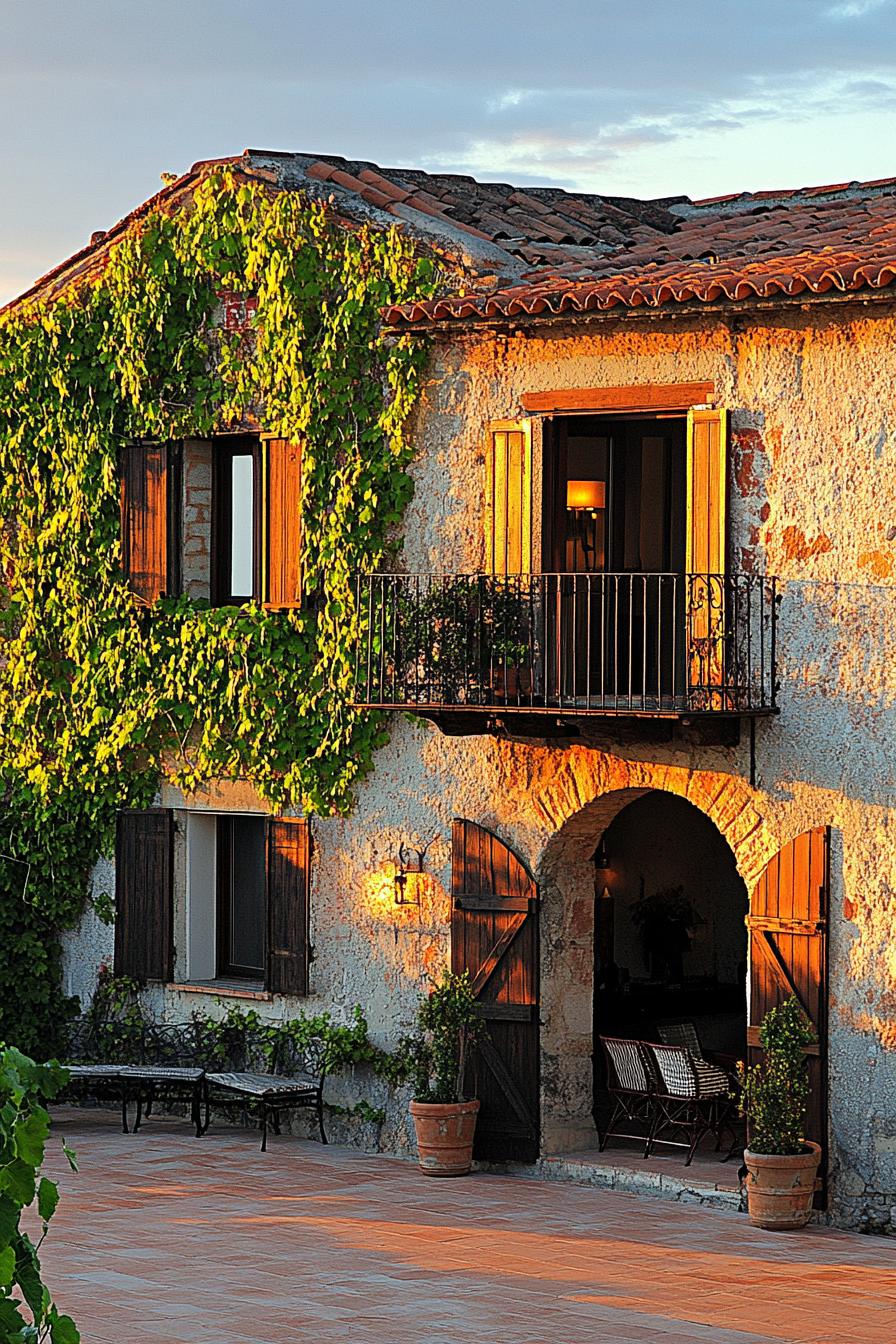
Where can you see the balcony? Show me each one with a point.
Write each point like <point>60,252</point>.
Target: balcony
<point>474,652</point>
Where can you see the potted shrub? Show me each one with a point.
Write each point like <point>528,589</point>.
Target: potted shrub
<point>781,1164</point>
<point>444,1120</point>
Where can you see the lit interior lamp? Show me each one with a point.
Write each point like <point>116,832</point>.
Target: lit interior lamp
<point>589,495</point>
<point>585,500</point>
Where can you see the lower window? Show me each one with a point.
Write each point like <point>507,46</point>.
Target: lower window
<point>203,896</point>
<point>242,899</point>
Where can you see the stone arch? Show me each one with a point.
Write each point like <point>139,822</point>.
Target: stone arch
<point>566,881</point>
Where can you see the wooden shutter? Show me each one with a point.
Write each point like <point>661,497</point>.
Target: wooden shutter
<point>706,555</point>
<point>149,535</point>
<point>288,883</point>
<point>788,953</point>
<point>282,579</point>
<point>494,936</point>
<point>144,946</point>
<point>707,478</point>
<point>508,537</point>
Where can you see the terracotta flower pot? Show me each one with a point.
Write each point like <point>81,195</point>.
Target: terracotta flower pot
<point>445,1136</point>
<point>780,1187</point>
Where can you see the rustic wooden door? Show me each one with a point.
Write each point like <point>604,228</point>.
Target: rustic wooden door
<point>494,936</point>
<point>788,955</point>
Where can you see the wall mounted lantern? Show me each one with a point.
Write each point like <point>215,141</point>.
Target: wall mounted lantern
<point>410,862</point>
<point>601,858</point>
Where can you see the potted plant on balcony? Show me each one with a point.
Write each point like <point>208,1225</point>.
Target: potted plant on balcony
<point>509,644</point>
<point>444,1120</point>
<point>781,1164</point>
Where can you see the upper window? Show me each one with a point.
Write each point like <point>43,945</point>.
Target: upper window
<point>235,538</point>
<point>216,519</point>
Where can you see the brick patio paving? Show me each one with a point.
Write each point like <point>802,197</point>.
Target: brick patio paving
<point>163,1237</point>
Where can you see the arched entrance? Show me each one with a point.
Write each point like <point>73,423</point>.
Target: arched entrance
<point>670,937</point>
<point>784,942</point>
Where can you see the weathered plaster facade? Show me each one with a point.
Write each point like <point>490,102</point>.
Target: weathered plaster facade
<point>813,501</point>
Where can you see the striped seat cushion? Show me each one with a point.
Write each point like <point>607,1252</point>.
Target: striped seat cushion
<point>264,1084</point>
<point>713,1080</point>
<point>94,1070</point>
<point>160,1073</point>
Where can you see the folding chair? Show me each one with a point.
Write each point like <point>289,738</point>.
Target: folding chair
<point>693,1098</point>
<point>630,1085</point>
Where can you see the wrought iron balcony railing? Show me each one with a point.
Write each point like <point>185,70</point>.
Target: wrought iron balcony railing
<point>661,645</point>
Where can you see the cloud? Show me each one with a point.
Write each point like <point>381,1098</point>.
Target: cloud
<point>650,98</point>
<point>856,9</point>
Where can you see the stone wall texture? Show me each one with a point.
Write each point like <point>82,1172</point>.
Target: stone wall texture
<point>813,500</point>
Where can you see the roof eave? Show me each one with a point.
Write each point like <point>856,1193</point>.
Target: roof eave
<point>731,309</point>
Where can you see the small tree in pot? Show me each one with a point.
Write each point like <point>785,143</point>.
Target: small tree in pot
<point>448,1024</point>
<point>781,1164</point>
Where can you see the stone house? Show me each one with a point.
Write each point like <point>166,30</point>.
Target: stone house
<point>642,618</point>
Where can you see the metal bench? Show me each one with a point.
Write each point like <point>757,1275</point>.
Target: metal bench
<point>97,1054</point>
<point>150,1063</point>
<point>171,1070</point>
<point>293,1080</point>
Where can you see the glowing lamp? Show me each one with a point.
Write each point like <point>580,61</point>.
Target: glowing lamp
<point>586,494</point>
<point>410,865</point>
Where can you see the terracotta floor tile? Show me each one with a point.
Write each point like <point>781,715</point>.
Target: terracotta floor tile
<point>165,1238</point>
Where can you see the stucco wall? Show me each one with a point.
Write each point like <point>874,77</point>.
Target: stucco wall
<point>813,500</point>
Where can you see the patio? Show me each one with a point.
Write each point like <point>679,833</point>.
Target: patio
<point>163,1237</point>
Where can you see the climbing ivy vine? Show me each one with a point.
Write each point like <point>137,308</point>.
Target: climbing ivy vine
<point>100,698</point>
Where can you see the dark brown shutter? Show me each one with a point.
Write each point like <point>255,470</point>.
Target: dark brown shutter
<point>148,541</point>
<point>494,936</point>
<point>282,524</point>
<point>788,955</point>
<point>143,895</point>
<point>289,853</point>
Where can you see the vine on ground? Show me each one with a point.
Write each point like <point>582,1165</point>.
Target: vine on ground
<point>27,1311</point>
<point>99,698</point>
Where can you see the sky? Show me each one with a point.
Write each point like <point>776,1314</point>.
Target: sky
<point>624,97</point>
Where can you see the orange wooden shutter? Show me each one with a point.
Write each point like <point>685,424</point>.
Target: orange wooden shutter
<point>706,554</point>
<point>282,585</point>
<point>145,539</point>
<point>707,504</point>
<point>508,537</point>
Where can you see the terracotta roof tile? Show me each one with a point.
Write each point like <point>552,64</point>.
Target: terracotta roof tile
<point>796,243</point>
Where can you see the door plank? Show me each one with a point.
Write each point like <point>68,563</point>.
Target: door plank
<point>509,1087</point>
<point>490,964</point>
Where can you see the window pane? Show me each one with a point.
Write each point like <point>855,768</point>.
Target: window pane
<point>247,894</point>
<point>241,520</point>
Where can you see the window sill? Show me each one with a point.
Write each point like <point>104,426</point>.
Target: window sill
<point>225,989</point>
